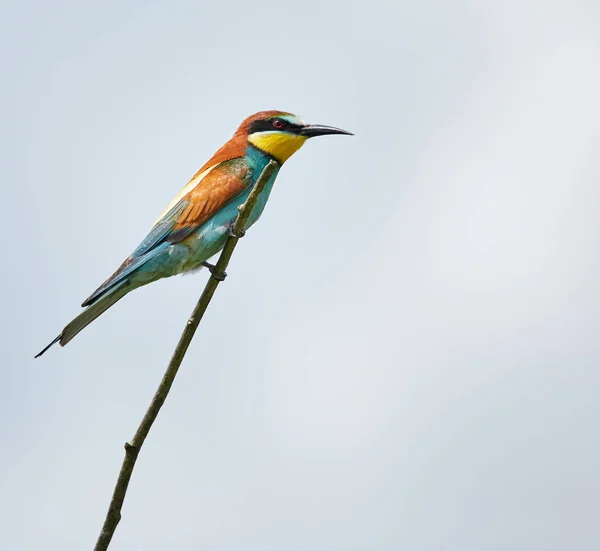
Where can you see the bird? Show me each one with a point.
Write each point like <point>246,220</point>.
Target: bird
<point>196,224</point>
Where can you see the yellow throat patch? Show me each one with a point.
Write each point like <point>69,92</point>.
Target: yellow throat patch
<point>280,145</point>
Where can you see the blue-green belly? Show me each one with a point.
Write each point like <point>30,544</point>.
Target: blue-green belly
<point>208,239</point>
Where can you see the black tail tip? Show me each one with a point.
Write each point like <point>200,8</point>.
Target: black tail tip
<point>57,339</point>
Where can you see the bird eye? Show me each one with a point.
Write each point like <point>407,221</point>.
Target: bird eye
<point>278,123</point>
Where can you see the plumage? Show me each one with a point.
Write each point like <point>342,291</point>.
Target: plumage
<point>195,225</point>
<point>218,187</point>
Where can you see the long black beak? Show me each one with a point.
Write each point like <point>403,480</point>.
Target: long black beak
<point>312,130</point>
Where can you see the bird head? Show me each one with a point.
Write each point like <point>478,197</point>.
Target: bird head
<point>281,134</point>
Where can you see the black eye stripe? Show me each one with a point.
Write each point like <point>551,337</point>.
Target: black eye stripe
<point>266,125</point>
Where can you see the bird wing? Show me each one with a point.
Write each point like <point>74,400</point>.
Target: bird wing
<point>205,194</point>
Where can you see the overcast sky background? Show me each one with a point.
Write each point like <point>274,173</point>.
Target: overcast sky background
<point>405,354</point>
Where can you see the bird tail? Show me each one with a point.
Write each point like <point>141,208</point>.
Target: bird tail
<point>89,315</point>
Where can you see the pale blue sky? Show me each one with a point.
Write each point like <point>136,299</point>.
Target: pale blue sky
<point>405,354</point>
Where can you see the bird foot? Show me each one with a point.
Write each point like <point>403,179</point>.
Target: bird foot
<point>233,233</point>
<point>219,276</point>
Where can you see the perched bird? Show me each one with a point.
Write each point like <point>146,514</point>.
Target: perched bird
<point>196,223</point>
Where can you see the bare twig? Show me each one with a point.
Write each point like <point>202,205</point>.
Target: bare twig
<point>132,449</point>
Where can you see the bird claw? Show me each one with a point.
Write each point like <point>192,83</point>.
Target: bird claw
<point>219,276</point>
<point>233,233</point>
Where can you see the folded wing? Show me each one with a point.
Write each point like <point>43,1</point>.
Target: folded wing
<point>206,194</point>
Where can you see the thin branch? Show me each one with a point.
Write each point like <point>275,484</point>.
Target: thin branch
<point>132,449</point>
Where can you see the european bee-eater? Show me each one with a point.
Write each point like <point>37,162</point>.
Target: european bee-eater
<point>195,225</point>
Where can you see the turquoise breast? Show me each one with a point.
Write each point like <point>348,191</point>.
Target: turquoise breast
<point>210,238</point>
